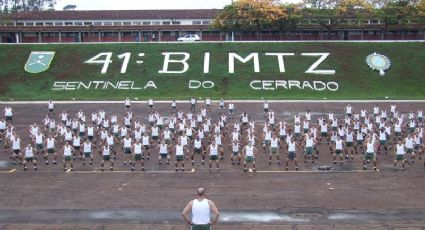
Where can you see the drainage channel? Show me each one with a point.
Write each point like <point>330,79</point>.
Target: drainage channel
<point>151,216</point>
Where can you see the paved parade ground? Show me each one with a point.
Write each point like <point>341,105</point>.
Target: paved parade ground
<point>340,197</point>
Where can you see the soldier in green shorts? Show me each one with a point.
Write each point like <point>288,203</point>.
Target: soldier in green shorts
<point>213,151</point>
<point>370,154</point>
<point>106,156</point>
<point>249,155</point>
<point>138,155</point>
<point>400,152</point>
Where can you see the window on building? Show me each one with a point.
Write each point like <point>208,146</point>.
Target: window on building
<point>117,23</point>
<point>20,24</point>
<point>69,23</point>
<point>147,23</point>
<point>29,23</point>
<point>137,23</point>
<point>39,24</point>
<point>48,23</point>
<point>107,23</point>
<point>166,23</point>
<point>78,23</point>
<point>88,23</point>
<point>176,22</point>
<point>196,22</point>
<point>58,23</point>
<point>126,23</point>
<point>206,22</point>
<point>156,23</point>
<point>97,23</point>
<point>110,34</point>
<point>29,34</point>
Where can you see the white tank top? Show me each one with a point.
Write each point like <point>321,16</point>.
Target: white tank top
<point>67,151</point>
<point>370,147</point>
<point>400,149</point>
<point>145,140</point>
<point>179,150</point>
<point>309,143</point>
<point>338,144</point>
<point>87,148</point>
<point>198,144</point>
<point>110,140</point>
<point>29,152</point>
<point>138,148</point>
<point>213,150</point>
<point>127,143</point>
<point>106,151</point>
<point>201,212</point>
<point>249,151</point>
<point>163,149</point>
<point>291,146</point>
<point>50,143</point>
<point>274,143</point>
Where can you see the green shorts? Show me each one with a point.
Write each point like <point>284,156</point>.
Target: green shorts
<point>291,155</point>
<point>50,151</point>
<point>338,152</point>
<point>359,142</point>
<point>138,157</point>
<point>397,134</point>
<point>266,142</point>
<point>249,159</point>
<point>77,148</point>
<point>88,154</point>
<point>29,159</point>
<point>399,157</point>
<point>180,158</point>
<point>309,150</point>
<point>147,147</point>
<point>155,138</point>
<point>68,158</point>
<point>214,158</point>
<point>235,153</point>
<point>201,227</point>
<point>297,135</point>
<point>349,144</point>
<point>164,155</point>
<point>40,146</point>
<point>409,150</point>
<point>383,142</point>
<point>369,156</point>
<point>324,134</point>
<point>106,157</point>
<point>198,151</point>
<point>127,150</point>
<point>167,141</point>
<point>273,150</point>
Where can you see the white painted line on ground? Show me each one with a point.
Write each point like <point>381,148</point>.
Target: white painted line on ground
<point>189,172</point>
<point>218,42</point>
<point>214,101</point>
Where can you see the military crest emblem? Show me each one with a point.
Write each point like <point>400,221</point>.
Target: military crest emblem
<point>39,61</point>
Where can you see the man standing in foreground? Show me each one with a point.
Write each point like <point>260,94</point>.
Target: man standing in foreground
<point>201,209</point>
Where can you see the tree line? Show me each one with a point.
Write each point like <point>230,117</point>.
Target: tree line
<point>256,15</point>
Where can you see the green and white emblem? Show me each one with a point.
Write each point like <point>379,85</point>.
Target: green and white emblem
<point>378,62</point>
<point>39,61</point>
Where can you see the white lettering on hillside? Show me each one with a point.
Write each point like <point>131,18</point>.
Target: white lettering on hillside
<point>101,85</point>
<point>233,56</point>
<point>271,85</point>
<point>168,60</point>
<point>313,68</point>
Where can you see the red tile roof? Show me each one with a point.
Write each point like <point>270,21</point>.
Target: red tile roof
<point>119,14</point>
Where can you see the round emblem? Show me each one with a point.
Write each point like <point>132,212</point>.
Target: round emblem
<point>378,62</point>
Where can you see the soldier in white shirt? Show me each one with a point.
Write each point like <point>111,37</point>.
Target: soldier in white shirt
<point>127,103</point>
<point>249,152</point>
<point>236,155</point>
<point>29,157</point>
<point>127,144</point>
<point>67,156</point>
<point>51,107</point>
<point>400,152</point>
<point>105,151</point>
<point>179,151</point>
<point>8,114</point>
<point>163,152</point>
<point>198,149</point>
<point>138,155</point>
<point>50,145</point>
<point>87,151</point>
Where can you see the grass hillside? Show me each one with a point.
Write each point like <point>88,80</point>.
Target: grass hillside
<point>404,80</point>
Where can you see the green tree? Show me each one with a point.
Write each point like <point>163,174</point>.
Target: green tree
<point>249,15</point>
<point>11,6</point>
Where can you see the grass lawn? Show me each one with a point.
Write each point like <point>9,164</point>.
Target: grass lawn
<point>404,80</point>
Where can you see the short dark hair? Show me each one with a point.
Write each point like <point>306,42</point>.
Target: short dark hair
<point>200,191</point>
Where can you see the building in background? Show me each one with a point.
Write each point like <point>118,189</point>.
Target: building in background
<point>168,25</point>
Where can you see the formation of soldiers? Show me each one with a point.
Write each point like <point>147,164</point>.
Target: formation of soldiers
<point>196,136</point>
